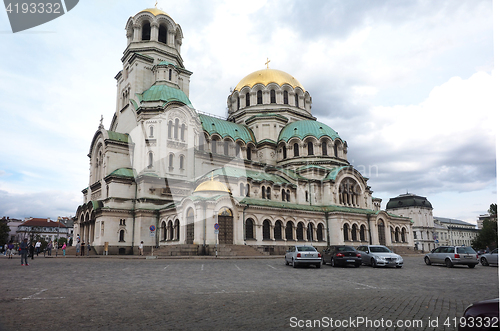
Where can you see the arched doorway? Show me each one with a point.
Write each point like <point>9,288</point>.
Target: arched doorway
<point>190,226</point>
<point>381,232</point>
<point>225,220</point>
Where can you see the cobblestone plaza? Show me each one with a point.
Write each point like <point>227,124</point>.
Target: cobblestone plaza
<point>111,293</point>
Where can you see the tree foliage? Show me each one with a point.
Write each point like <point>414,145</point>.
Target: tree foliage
<point>4,232</point>
<point>488,236</point>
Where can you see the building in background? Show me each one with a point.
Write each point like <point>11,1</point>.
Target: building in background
<point>460,233</point>
<point>43,228</point>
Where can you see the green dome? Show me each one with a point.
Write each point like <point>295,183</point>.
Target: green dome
<point>226,129</point>
<point>408,200</point>
<point>162,92</point>
<point>306,128</point>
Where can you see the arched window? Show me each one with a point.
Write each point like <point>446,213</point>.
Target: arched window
<point>266,230</point>
<point>310,148</point>
<point>170,124</point>
<point>226,147</point>
<point>183,128</point>
<point>146,31</point>
<point>263,192</point>
<point>162,34</point>
<point>288,195</point>
<point>362,230</point>
<point>171,161</point>
<point>309,231</point>
<point>296,100</point>
<point>277,230</point>
<point>249,152</point>
<point>307,196</point>
<point>247,192</point>
<point>396,235</point>
<point>181,162</point>
<point>285,97</point>
<point>247,99</point>
<point>289,231</point>
<point>335,150</point>
<point>201,142</point>
<point>324,149</point>
<point>259,97</point>
<point>151,131</point>
<point>354,232</point>
<point>403,235</point>
<point>237,103</point>
<point>346,232</point>
<point>237,149</point>
<point>163,231</point>
<point>122,235</point>
<point>169,74</point>
<point>284,152</point>
<point>273,96</point>
<point>249,229</point>
<point>242,190</point>
<point>214,145</point>
<point>268,193</point>
<point>176,129</point>
<point>300,231</point>
<point>381,232</point>
<point>295,149</point>
<point>150,160</point>
<point>170,230</point>
<point>319,232</point>
<point>176,229</point>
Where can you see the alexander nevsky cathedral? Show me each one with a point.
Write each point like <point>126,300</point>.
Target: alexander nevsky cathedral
<point>267,176</point>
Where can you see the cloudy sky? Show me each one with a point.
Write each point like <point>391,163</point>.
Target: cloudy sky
<point>408,84</point>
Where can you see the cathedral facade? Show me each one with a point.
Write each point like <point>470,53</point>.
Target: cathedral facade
<point>269,175</point>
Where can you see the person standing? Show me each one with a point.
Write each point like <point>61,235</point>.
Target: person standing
<point>10,250</point>
<point>64,249</point>
<point>82,249</point>
<point>141,248</point>
<point>32,250</point>
<point>56,246</point>
<point>49,248</point>
<point>77,244</point>
<point>38,245</point>
<point>24,252</point>
<point>88,248</point>
<point>5,249</point>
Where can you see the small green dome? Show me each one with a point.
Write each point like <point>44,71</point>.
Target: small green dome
<point>306,128</point>
<point>408,200</point>
<point>162,92</point>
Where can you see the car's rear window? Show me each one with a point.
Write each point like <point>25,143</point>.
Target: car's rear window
<point>346,249</point>
<point>306,249</point>
<point>379,249</point>
<point>465,250</point>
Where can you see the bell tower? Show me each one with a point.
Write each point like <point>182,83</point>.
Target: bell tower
<point>152,57</point>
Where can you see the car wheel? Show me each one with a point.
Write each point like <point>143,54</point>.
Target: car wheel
<point>427,261</point>
<point>448,263</point>
<point>373,263</point>
<point>484,262</point>
<point>294,264</point>
<point>333,262</point>
<point>471,265</point>
<point>286,262</point>
<point>318,265</point>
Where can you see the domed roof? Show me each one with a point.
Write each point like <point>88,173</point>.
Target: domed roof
<point>155,11</point>
<point>212,186</point>
<point>166,93</point>
<point>305,128</point>
<point>408,200</point>
<point>266,76</point>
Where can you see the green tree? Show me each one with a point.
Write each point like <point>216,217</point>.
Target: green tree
<point>488,236</point>
<point>4,232</point>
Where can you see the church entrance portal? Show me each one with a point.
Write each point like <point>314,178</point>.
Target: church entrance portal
<point>225,220</point>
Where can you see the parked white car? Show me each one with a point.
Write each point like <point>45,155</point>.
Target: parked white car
<point>379,256</point>
<point>302,255</point>
<point>489,258</point>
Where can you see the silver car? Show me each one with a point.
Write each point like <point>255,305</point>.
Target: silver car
<point>452,255</point>
<point>489,258</point>
<point>302,254</point>
<point>379,256</point>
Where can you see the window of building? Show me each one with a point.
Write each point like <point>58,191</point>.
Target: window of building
<point>169,74</point>
<point>324,149</point>
<point>346,232</point>
<point>362,233</point>
<point>273,96</point>
<point>226,147</point>
<point>259,97</point>
<point>247,99</point>
<point>296,100</point>
<point>176,129</point>
<point>285,97</point>
<point>300,231</point>
<point>268,193</point>
<point>122,235</point>
<point>169,131</point>
<point>146,31</point>
<point>307,196</point>
<point>247,192</point>
<point>249,152</point>
<point>171,161</point>
<point>151,131</point>
<point>284,152</point>
<point>310,148</point>
<point>249,229</point>
<point>266,230</point>
<point>214,146</point>
<point>263,192</point>
<point>150,160</point>
<point>162,34</point>
<point>278,230</point>
<point>183,129</point>
<point>181,162</point>
<point>295,149</point>
<point>354,233</point>
<point>319,232</point>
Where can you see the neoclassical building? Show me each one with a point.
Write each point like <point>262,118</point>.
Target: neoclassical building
<point>268,176</point>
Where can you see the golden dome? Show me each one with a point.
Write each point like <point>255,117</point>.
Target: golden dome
<point>266,76</point>
<point>212,185</point>
<point>155,11</point>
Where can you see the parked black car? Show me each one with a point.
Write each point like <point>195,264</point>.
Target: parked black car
<point>341,255</point>
<point>480,316</point>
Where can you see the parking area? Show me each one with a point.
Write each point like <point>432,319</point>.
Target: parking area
<point>231,294</point>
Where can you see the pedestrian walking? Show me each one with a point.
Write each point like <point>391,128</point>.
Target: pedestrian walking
<point>77,244</point>
<point>141,248</point>
<point>5,249</point>
<point>82,249</point>
<point>56,246</point>
<point>49,248</point>
<point>10,250</point>
<point>24,252</point>
<point>32,251</point>
<point>88,248</point>
<point>64,249</point>
<point>38,246</point>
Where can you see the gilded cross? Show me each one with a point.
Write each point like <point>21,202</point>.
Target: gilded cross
<point>267,63</point>
<point>156,4</point>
